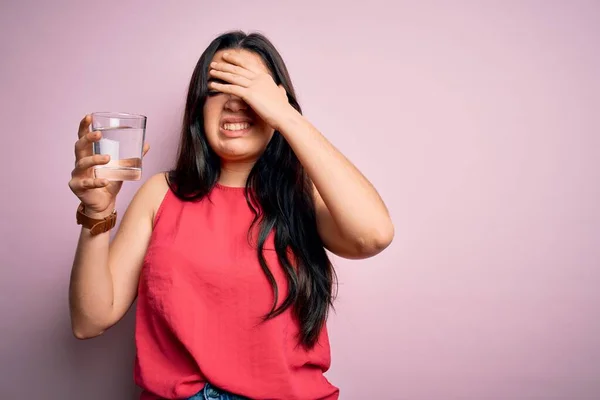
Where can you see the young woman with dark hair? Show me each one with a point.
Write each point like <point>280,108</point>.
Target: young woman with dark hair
<point>226,253</point>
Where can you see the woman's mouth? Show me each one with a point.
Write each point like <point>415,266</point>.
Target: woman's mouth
<point>235,129</point>
<point>236,126</point>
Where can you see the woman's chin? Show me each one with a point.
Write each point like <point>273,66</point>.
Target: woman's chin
<point>238,152</point>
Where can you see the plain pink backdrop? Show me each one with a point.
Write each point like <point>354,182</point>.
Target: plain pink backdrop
<point>477,122</point>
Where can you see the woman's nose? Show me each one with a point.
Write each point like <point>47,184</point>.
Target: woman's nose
<point>235,103</point>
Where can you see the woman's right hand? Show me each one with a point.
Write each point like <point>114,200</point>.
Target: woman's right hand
<point>97,194</point>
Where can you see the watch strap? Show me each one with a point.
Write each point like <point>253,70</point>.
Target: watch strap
<point>96,226</point>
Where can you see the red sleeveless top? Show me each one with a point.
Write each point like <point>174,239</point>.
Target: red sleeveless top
<point>201,297</point>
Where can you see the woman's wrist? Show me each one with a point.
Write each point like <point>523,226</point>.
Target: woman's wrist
<point>99,214</point>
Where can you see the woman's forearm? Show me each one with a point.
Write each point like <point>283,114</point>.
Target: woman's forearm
<point>91,285</point>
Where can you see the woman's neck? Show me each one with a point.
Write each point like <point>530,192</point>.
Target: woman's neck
<point>235,174</point>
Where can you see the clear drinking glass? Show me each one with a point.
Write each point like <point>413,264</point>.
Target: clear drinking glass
<point>123,138</point>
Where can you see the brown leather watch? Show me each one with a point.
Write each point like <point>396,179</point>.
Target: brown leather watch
<point>96,226</point>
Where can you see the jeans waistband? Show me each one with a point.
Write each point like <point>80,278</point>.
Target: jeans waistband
<point>210,392</point>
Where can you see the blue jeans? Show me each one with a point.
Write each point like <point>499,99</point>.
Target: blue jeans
<point>210,392</point>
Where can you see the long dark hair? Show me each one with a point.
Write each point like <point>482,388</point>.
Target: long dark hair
<point>278,191</point>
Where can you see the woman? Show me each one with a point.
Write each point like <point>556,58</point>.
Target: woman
<point>226,253</point>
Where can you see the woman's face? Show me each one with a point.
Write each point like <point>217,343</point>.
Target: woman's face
<point>232,128</point>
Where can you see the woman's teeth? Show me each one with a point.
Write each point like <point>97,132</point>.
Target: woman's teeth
<point>236,127</point>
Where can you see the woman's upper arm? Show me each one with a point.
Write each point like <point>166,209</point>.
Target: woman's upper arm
<point>339,239</point>
<point>128,248</point>
<point>331,234</point>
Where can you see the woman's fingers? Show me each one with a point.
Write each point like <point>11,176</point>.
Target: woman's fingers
<point>83,146</point>
<point>84,125</point>
<point>83,164</point>
<point>230,77</point>
<point>78,185</point>
<point>234,69</point>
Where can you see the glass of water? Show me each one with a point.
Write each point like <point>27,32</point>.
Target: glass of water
<point>122,139</point>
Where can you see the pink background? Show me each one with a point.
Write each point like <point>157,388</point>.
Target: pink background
<point>477,121</point>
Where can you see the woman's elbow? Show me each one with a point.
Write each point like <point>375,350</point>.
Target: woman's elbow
<point>84,330</point>
<point>83,334</point>
<point>376,241</point>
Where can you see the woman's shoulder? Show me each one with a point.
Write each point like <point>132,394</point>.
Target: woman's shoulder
<point>153,192</point>
<point>158,182</point>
